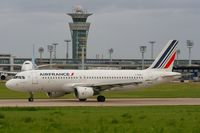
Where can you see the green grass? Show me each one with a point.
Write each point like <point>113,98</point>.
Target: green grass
<point>9,94</point>
<point>167,90</point>
<point>152,119</point>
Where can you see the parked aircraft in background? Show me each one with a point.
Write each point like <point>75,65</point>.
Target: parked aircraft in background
<point>27,65</point>
<point>88,83</point>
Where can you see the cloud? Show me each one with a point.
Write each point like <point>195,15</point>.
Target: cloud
<point>95,5</point>
<point>122,25</point>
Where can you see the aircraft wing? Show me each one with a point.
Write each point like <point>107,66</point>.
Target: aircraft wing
<point>9,73</point>
<point>109,86</point>
<point>5,74</point>
<point>106,86</point>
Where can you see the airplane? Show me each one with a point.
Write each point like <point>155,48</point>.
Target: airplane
<point>88,83</point>
<point>27,65</point>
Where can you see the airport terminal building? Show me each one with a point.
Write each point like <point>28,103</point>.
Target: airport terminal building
<point>12,63</point>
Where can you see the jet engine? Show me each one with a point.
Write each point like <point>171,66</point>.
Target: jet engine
<point>55,94</point>
<point>3,76</point>
<point>84,92</point>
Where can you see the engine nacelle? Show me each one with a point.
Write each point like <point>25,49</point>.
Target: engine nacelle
<point>84,92</point>
<point>27,65</point>
<point>55,94</point>
<point>3,77</point>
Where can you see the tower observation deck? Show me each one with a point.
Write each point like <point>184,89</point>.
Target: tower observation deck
<point>79,29</point>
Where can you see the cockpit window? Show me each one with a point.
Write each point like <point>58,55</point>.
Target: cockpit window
<point>18,77</point>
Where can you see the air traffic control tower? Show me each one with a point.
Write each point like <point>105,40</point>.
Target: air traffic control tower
<point>79,32</point>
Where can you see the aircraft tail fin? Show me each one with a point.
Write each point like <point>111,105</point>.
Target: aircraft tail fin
<point>166,58</point>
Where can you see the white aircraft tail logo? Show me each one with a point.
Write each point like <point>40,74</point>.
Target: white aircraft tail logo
<point>166,58</point>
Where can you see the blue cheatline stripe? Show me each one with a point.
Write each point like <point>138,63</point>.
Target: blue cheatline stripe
<point>165,53</point>
<point>169,55</point>
<point>166,58</point>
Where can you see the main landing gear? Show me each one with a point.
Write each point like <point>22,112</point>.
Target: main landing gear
<point>101,98</point>
<point>30,99</point>
<point>82,100</point>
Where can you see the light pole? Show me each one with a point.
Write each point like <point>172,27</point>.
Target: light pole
<point>83,59</point>
<point>190,44</point>
<point>67,48</point>
<point>110,51</point>
<point>178,52</point>
<point>54,44</point>
<point>152,50</point>
<point>41,51</point>
<point>143,50</point>
<point>50,50</point>
<point>12,63</point>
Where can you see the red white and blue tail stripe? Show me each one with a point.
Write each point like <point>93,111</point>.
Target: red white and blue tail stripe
<point>166,58</point>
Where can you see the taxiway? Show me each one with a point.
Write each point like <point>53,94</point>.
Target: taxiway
<point>93,102</point>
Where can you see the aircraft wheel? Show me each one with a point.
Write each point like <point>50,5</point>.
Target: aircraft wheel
<point>101,99</point>
<point>82,100</point>
<point>30,99</point>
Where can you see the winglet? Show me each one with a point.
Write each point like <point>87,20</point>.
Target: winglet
<point>166,58</point>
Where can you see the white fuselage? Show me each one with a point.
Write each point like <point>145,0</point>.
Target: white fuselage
<point>67,80</point>
<point>87,83</point>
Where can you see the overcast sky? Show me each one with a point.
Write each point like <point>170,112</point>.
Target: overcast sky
<point>123,25</point>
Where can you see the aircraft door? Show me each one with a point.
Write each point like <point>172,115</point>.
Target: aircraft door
<point>150,78</point>
<point>34,78</point>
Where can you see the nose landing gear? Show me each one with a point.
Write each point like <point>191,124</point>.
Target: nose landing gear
<point>30,99</point>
